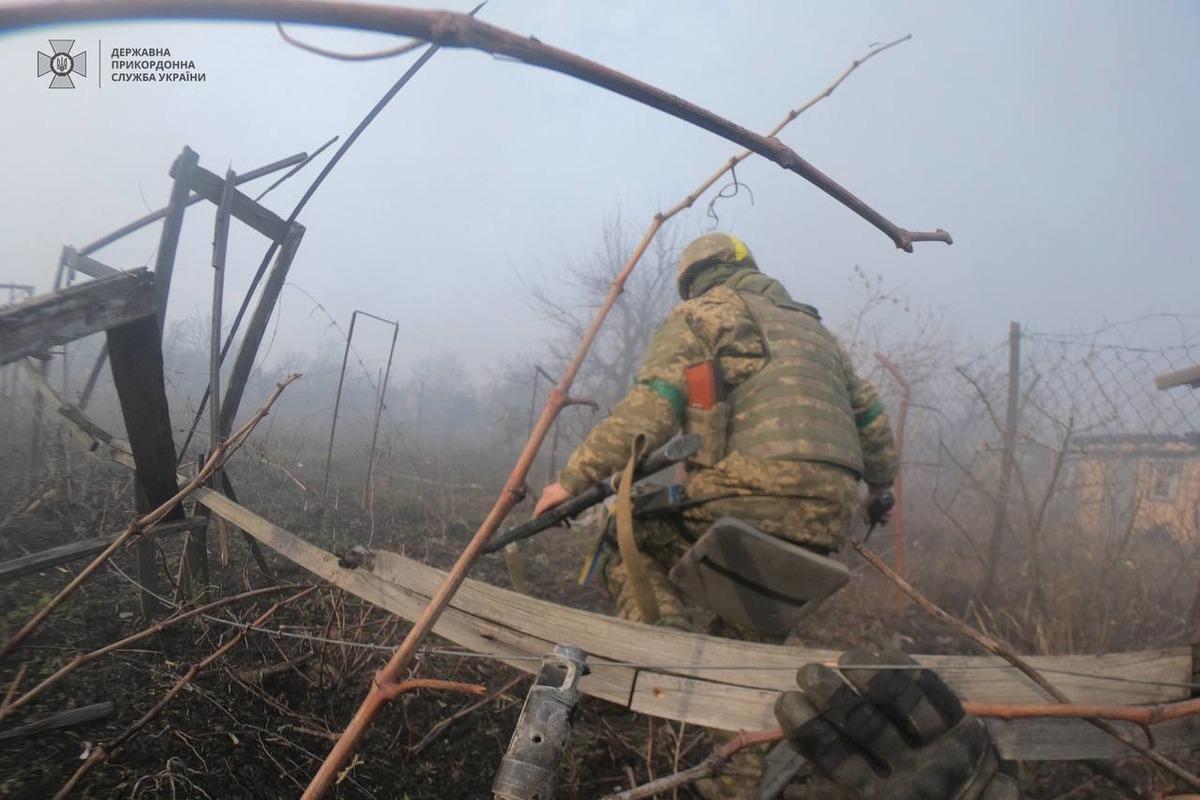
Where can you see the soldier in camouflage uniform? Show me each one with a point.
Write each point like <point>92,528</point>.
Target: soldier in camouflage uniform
<point>802,429</point>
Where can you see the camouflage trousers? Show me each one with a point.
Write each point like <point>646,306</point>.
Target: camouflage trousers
<point>662,541</point>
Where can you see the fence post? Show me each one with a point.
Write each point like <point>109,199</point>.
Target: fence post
<point>1011,423</point>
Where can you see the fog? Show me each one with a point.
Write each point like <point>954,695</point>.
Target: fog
<point>1054,141</point>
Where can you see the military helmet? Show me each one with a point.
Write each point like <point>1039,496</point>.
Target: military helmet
<point>709,249</point>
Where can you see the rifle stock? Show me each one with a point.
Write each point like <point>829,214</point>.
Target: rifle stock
<point>674,451</point>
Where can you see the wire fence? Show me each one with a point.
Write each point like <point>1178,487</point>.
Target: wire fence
<point>1074,461</point>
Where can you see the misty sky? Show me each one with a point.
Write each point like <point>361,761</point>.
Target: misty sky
<point>1055,141</point>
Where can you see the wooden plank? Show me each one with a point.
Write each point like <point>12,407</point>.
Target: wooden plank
<point>87,265</point>
<point>696,655</point>
<point>62,719</point>
<point>742,708</point>
<point>707,703</point>
<point>135,352</point>
<point>261,219</point>
<point>523,651</point>
<point>717,704</point>
<point>81,430</point>
<point>101,359</point>
<point>73,551</point>
<point>36,325</point>
<point>1076,740</point>
<point>1189,376</point>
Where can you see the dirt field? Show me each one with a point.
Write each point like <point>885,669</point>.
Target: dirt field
<point>236,733</point>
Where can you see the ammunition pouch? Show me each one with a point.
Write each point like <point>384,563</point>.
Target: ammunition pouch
<point>712,425</point>
<point>749,578</point>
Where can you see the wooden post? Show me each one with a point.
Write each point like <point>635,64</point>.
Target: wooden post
<point>164,262</point>
<point>383,384</point>
<point>194,571</point>
<point>1011,423</point>
<point>248,351</point>
<point>35,444</point>
<point>141,381</point>
<point>336,406</point>
<point>135,352</point>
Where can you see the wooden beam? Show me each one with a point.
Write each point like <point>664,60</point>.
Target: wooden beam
<point>724,698</point>
<point>62,719</point>
<point>168,240</point>
<point>88,265</point>
<point>33,327</point>
<point>1189,376</point>
<point>84,548</point>
<point>135,352</point>
<point>523,651</point>
<point>154,216</point>
<point>82,429</point>
<point>260,218</point>
<point>631,642</point>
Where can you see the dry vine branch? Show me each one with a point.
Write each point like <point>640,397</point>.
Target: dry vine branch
<point>706,768</point>
<point>412,684</point>
<point>448,29</point>
<point>512,493</point>
<point>105,751</point>
<point>373,55</point>
<point>218,456</point>
<point>85,658</point>
<point>12,689</point>
<point>437,729</point>
<point>1008,654</point>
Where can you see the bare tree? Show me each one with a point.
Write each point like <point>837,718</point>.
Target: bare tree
<point>569,299</point>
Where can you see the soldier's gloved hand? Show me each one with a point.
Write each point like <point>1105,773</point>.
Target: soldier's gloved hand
<point>878,508</point>
<point>894,733</point>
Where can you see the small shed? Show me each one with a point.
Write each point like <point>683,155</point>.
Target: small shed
<point>1146,483</point>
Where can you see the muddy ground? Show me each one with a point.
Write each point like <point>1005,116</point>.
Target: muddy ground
<point>234,733</point>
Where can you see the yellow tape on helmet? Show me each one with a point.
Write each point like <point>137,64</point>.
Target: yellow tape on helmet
<point>740,251</point>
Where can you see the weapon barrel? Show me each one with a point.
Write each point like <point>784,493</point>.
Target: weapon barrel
<point>670,453</point>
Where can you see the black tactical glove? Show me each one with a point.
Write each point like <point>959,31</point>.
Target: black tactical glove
<point>897,734</point>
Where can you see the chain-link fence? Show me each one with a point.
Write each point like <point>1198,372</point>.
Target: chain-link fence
<point>1048,450</point>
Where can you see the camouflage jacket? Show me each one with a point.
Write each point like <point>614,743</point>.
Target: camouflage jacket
<point>717,323</point>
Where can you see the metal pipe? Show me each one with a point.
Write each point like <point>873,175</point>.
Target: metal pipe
<point>337,404</point>
<point>379,408</point>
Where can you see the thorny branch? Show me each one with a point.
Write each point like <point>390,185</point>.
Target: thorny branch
<point>104,752</point>
<point>84,658</point>
<point>706,768</point>
<point>1008,654</point>
<point>448,29</point>
<point>218,457</point>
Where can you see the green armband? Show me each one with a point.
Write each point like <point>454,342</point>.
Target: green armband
<point>669,393</point>
<point>864,418</point>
